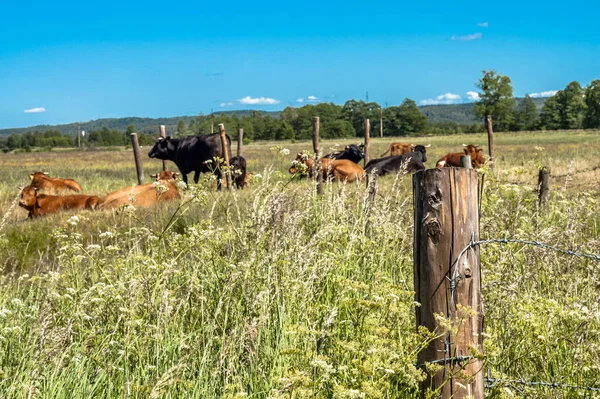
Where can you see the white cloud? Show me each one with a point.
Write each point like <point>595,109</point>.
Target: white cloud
<point>544,94</point>
<point>468,38</point>
<point>312,98</point>
<point>473,95</point>
<point>483,24</point>
<point>35,110</point>
<point>300,100</point>
<point>448,98</point>
<point>258,101</point>
<point>227,104</point>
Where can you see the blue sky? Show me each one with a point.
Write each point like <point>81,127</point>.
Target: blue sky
<point>76,61</point>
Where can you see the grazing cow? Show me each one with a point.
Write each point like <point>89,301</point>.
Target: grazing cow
<point>334,169</point>
<point>43,181</point>
<point>411,162</point>
<point>144,195</point>
<point>453,159</point>
<point>192,153</point>
<point>238,171</point>
<point>352,153</point>
<point>42,204</point>
<point>401,148</point>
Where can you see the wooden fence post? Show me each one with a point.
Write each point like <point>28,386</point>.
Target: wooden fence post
<point>367,140</point>
<point>163,133</point>
<point>240,141</point>
<point>78,136</point>
<point>318,172</point>
<point>138,158</point>
<point>543,185</point>
<point>380,122</point>
<point>446,219</point>
<point>465,162</point>
<point>225,148</point>
<point>490,130</point>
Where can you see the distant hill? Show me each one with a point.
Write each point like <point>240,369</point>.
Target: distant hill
<point>143,125</point>
<point>459,113</point>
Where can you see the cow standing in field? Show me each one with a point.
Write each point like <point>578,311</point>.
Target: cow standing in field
<point>352,153</point>
<point>411,162</point>
<point>334,169</point>
<point>42,204</point>
<point>144,195</point>
<point>238,171</point>
<point>42,181</point>
<point>401,148</point>
<point>192,154</point>
<point>453,159</point>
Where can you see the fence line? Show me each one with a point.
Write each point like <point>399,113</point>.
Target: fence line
<point>491,383</point>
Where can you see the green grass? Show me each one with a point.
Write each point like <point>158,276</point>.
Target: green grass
<point>271,292</point>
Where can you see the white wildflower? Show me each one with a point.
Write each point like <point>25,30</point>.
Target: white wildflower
<point>93,248</point>
<point>73,220</point>
<point>284,151</point>
<point>106,234</point>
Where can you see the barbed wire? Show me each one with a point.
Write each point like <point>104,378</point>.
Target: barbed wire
<point>456,277</point>
<point>491,383</point>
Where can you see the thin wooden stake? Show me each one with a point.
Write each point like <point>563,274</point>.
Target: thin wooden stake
<point>490,130</point>
<point>465,162</point>
<point>163,133</point>
<point>446,220</point>
<point>318,172</point>
<point>367,140</point>
<point>240,141</point>
<point>225,148</point>
<point>380,122</point>
<point>137,156</point>
<point>543,185</point>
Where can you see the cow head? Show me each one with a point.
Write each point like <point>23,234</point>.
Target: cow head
<point>423,151</point>
<point>28,197</point>
<point>162,148</point>
<point>302,164</point>
<point>355,152</point>
<point>165,175</point>
<point>39,175</point>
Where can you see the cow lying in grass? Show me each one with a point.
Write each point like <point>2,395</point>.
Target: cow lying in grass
<point>453,159</point>
<point>410,162</point>
<point>42,181</point>
<point>42,204</point>
<point>401,148</point>
<point>334,169</point>
<point>144,195</point>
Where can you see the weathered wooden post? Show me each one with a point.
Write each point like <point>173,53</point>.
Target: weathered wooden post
<point>543,185</point>
<point>446,219</point>
<point>465,162</point>
<point>367,140</point>
<point>490,130</point>
<point>78,136</point>
<point>380,122</point>
<point>225,147</point>
<point>240,141</point>
<point>318,172</point>
<point>138,158</point>
<point>163,133</point>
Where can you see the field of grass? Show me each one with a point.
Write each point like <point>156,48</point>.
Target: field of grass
<point>271,292</point>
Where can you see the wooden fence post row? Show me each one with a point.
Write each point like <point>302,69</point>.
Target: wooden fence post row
<point>137,157</point>
<point>225,148</point>
<point>446,219</point>
<point>317,150</point>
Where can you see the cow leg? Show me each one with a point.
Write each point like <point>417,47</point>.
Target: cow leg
<point>196,176</point>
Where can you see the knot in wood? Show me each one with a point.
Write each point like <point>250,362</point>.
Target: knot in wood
<point>434,227</point>
<point>435,199</point>
<point>468,272</point>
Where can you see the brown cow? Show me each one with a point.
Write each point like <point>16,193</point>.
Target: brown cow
<point>144,195</point>
<point>43,181</point>
<point>453,159</point>
<point>400,148</point>
<point>335,169</point>
<point>42,204</point>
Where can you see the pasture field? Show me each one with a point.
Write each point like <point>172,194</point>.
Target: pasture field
<point>271,292</point>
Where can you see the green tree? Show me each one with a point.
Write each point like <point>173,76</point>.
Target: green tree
<point>526,115</point>
<point>496,99</point>
<point>404,120</point>
<point>550,116</point>
<point>592,102</point>
<point>565,110</point>
<point>181,128</point>
<point>14,141</point>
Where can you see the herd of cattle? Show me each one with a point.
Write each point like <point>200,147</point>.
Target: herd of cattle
<point>202,154</point>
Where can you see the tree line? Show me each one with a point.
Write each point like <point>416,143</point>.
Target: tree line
<point>574,107</point>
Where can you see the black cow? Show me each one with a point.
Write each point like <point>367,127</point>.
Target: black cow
<point>238,171</point>
<point>412,161</point>
<point>191,153</point>
<point>352,153</point>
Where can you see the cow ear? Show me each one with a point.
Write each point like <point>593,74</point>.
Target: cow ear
<point>46,174</point>
<point>154,175</point>
<point>31,177</point>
